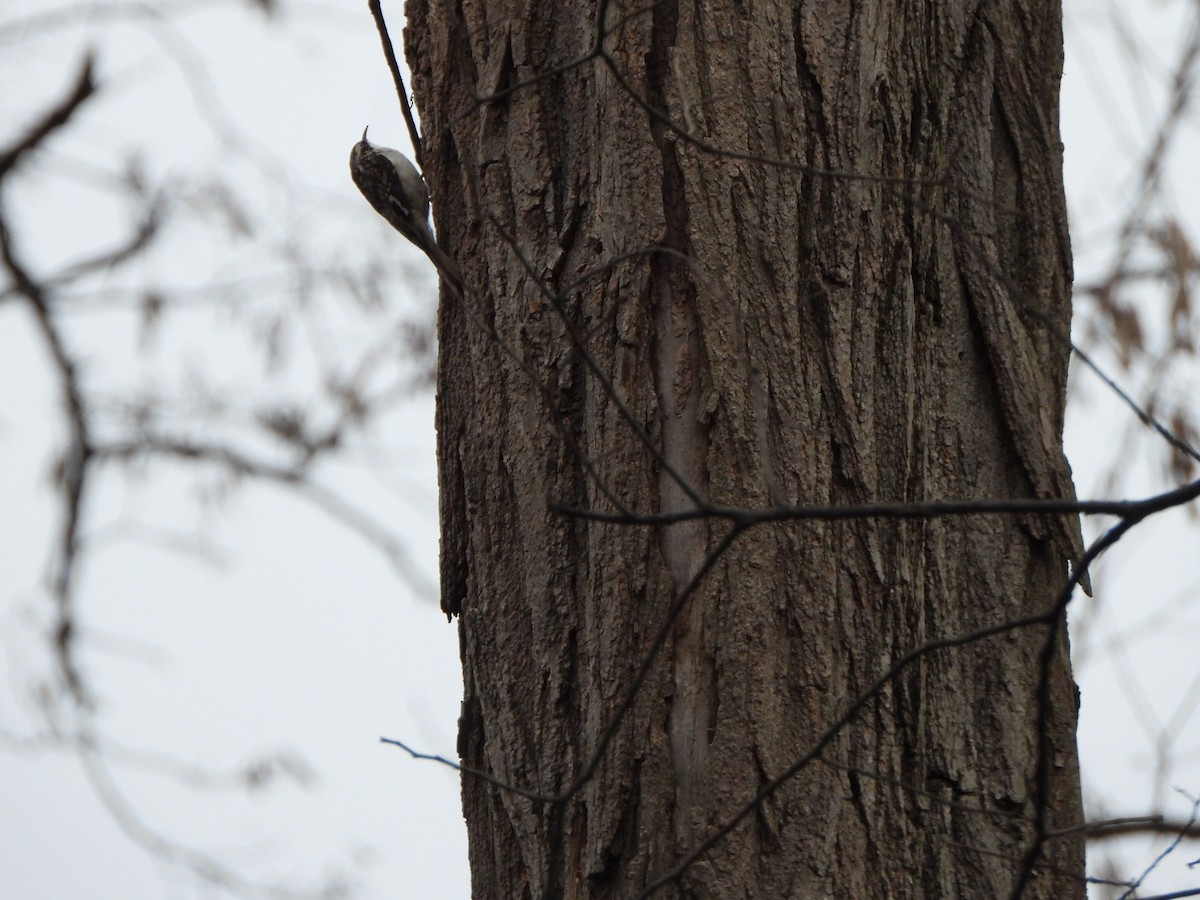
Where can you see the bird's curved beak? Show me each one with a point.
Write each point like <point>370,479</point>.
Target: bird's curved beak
<point>364,137</point>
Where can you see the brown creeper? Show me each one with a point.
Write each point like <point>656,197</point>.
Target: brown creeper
<point>396,190</point>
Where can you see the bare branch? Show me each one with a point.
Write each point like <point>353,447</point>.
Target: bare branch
<point>54,118</point>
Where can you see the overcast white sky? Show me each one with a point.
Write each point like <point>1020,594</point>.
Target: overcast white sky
<point>301,639</point>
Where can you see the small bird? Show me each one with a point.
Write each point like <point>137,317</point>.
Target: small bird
<point>396,190</point>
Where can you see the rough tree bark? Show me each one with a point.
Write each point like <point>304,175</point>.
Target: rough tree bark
<point>803,338</point>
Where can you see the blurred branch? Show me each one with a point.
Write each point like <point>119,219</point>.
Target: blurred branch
<point>55,118</point>
<point>72,470</point>
<point>297,478</point>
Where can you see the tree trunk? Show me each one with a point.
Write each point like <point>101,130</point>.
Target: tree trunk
<point>780,334</point>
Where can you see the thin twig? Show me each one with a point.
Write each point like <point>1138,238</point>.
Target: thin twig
<point>394,67</point>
